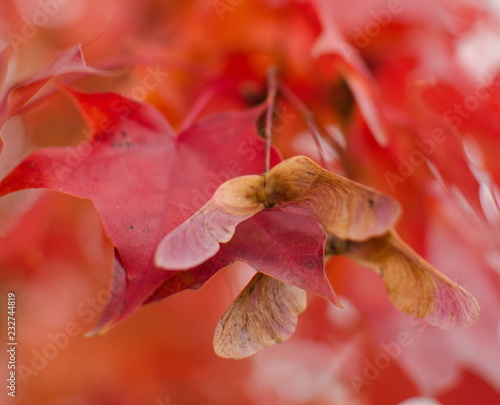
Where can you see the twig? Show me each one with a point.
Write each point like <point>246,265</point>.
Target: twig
<point>270,100</point>
<point>308,116</point>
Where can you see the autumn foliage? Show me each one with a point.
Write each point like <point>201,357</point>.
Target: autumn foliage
<point>222,176</point>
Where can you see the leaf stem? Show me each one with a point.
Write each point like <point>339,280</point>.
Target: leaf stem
<point>272,85</point>
<point>308,116</point>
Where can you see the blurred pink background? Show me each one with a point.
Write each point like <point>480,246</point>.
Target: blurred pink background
<point>365,69</point>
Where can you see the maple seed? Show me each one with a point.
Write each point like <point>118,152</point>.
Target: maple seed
<point>298,185</point>
<point>413,285</point>
<point>263,314</point>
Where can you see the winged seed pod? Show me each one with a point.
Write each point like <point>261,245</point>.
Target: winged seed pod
<point>343,207</point>
<point>263,314</point>
<point>413,285</point>
<point>359,222</point>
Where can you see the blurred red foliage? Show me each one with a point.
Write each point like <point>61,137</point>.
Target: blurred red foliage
<point>406,94</point>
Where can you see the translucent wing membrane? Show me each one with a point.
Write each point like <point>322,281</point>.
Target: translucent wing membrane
<point>263,314</point>
<point>413,285</point>
<point>198,238</point>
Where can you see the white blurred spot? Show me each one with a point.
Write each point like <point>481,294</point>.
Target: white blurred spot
<point>435,172</point>
<point>304,371</point>
<point>478,50</point>
<point>462,201</point>
<point>488,192</point>
<point>304,143</point>
<point>420,401</point>
<point>345,318</point>
<point>473,150</point>
<point>493,5</point>
<point>479,174</point>
<point>489,203</point>
<point>336,133</point>
<point>294,379</point>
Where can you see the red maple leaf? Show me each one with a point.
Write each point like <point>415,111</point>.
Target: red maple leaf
<point>144,180</point>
